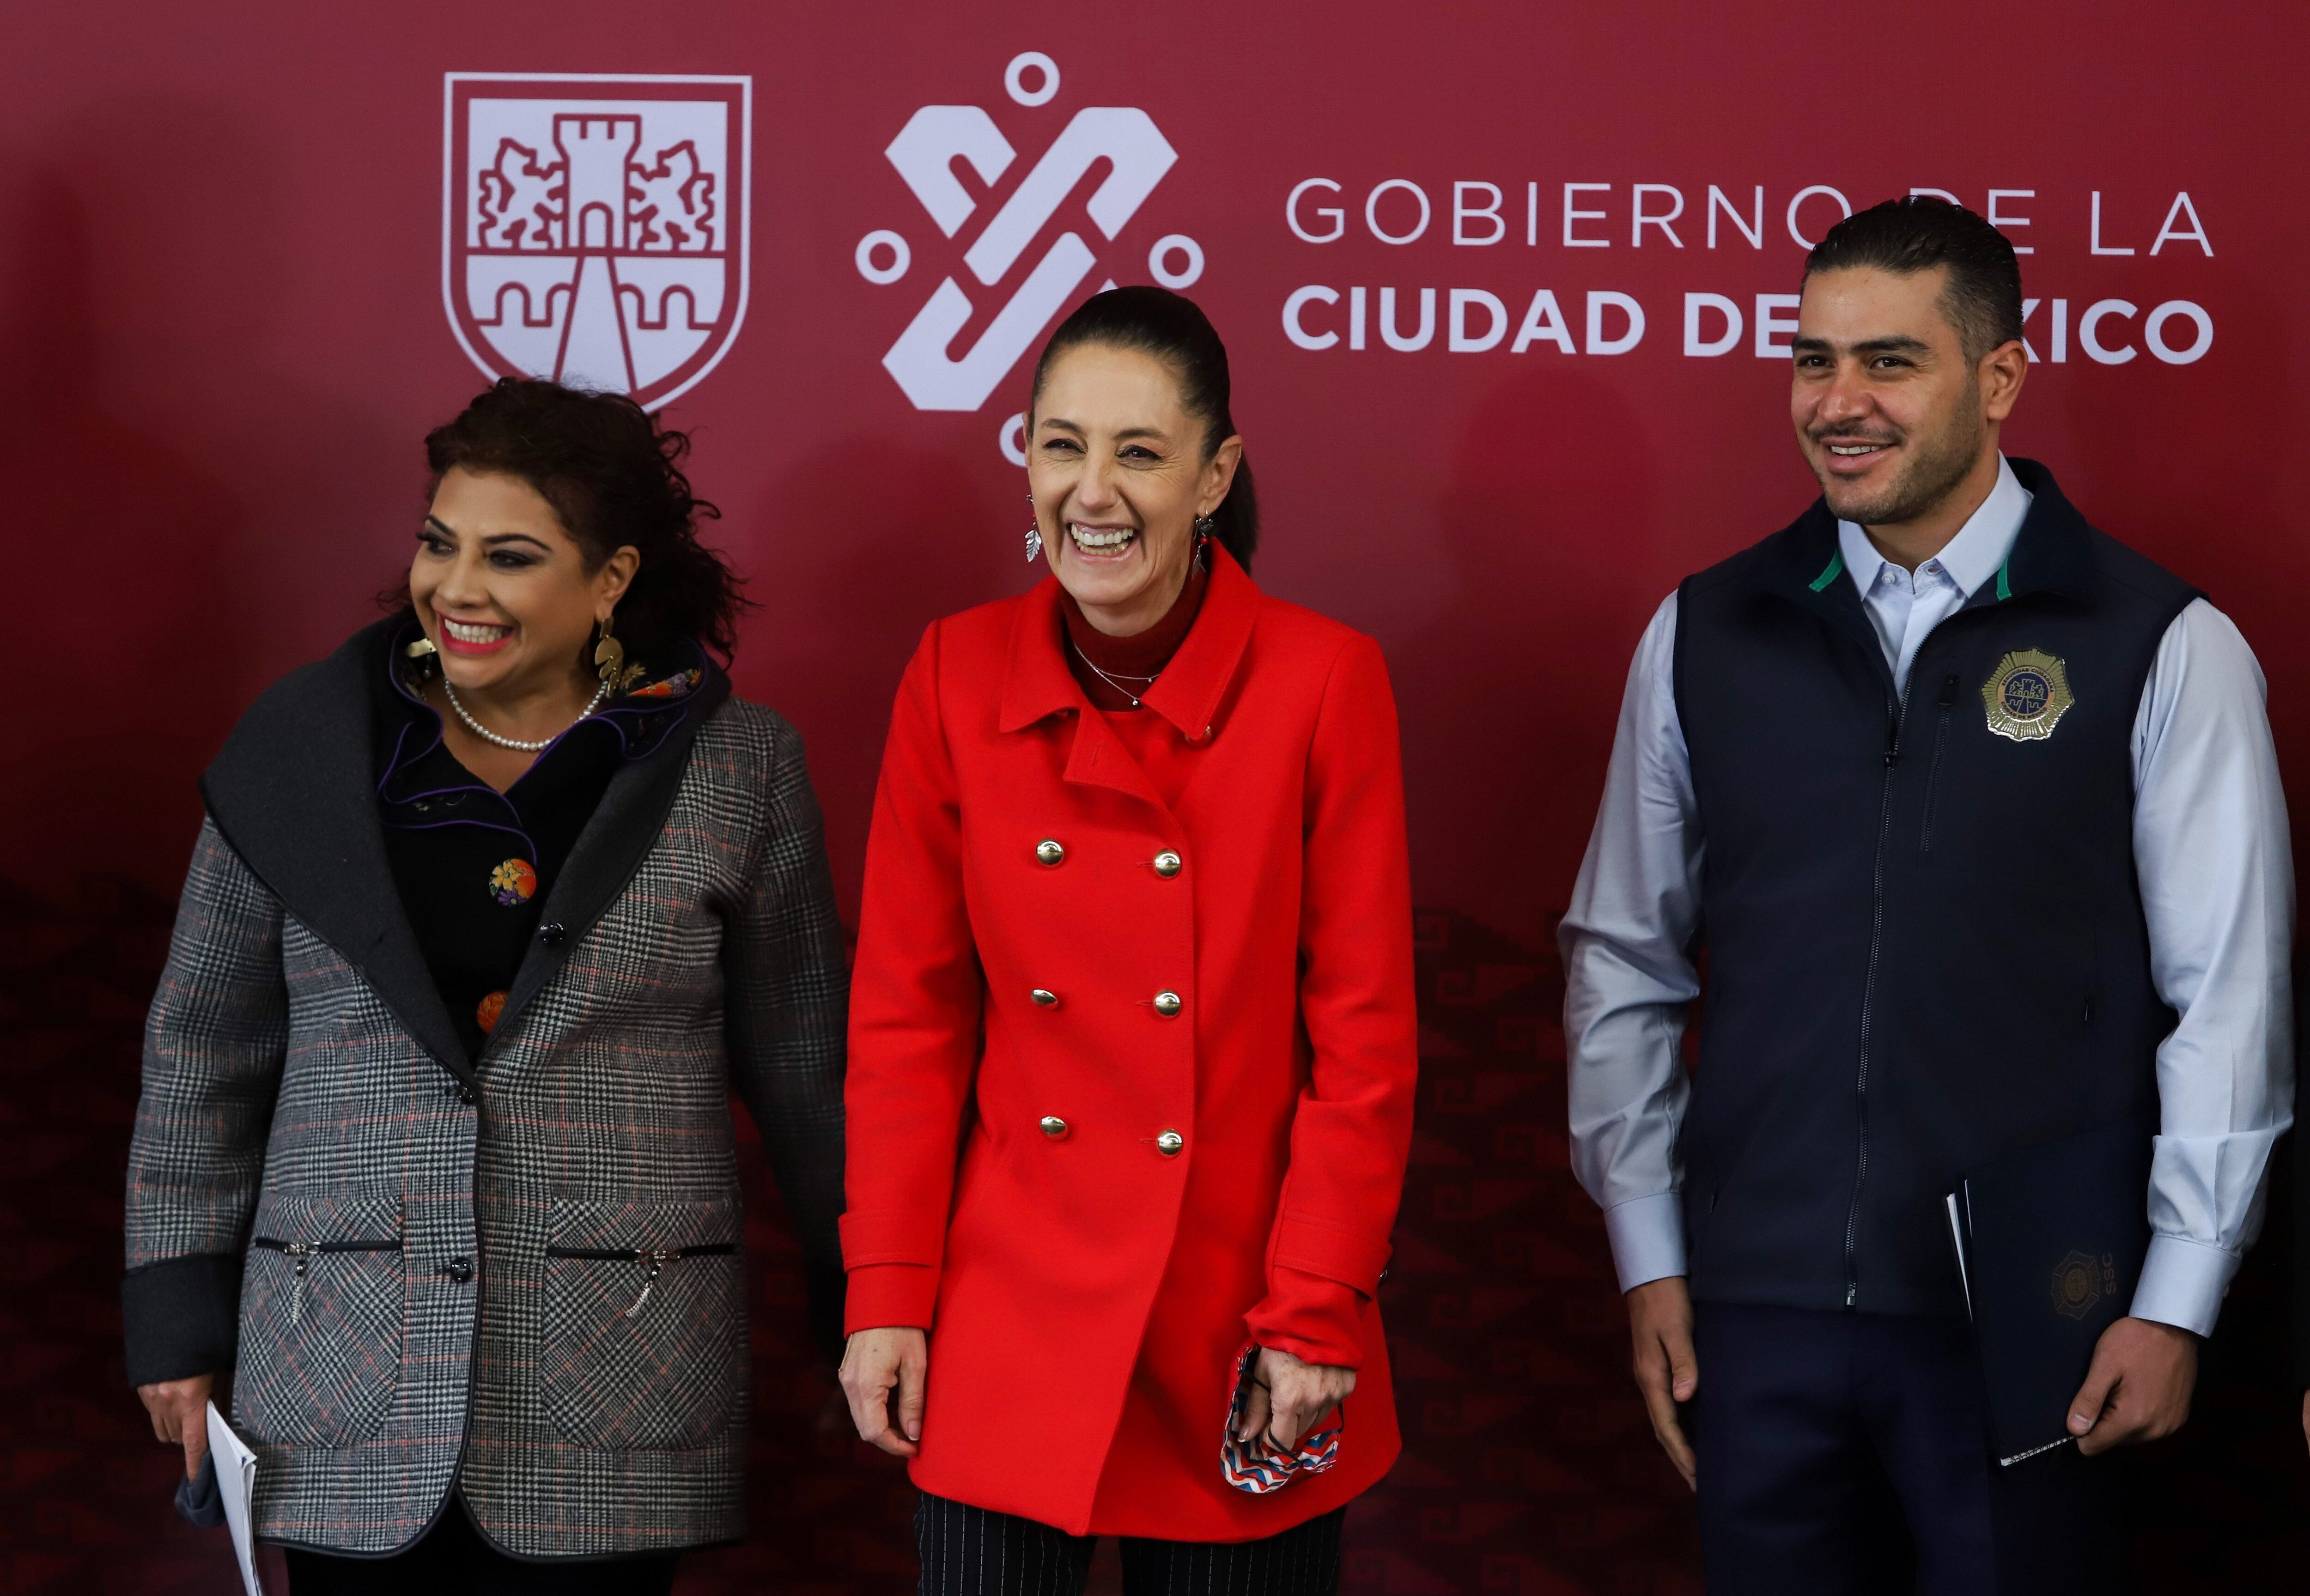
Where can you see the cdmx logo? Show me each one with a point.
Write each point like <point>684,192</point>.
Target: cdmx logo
<point>595,228</point>
<point>924,362</point>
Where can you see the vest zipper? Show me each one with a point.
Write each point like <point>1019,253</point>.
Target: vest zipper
<point>1945,701</point>
<point>1900,714</point>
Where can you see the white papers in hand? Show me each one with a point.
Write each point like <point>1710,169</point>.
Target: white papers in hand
<point>236,1472</point>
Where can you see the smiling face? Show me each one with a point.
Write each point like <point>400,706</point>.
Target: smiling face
<point>1119,472</point>
<point>1893,418</point>
<point>502,589</point>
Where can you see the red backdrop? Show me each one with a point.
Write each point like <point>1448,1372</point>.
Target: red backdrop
<point>224,291</point>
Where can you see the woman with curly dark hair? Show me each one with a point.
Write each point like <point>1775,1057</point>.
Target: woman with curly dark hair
<point>490,911</point>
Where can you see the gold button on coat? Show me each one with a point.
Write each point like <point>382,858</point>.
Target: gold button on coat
<point>1166,865</point>
<point>1055,1127</point>
<point>1049,852</point>
<point>1048,1000</point>
<point>1169,1143</point>
<point>1166,1004</point>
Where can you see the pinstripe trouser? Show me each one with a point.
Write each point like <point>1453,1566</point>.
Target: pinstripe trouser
<point>971,1551</point>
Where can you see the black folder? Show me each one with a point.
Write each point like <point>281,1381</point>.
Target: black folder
<point>2050,1242</point>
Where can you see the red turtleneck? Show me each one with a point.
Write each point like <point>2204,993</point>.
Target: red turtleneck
<point>1131,661</point>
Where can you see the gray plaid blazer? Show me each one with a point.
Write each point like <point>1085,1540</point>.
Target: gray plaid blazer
<point>520,1274</point>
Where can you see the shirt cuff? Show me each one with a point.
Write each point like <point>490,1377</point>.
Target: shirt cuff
<point>1316,1320</point>
<point>1647,1237</point>
<point>887,1296</point>
<point>2183,1283</point>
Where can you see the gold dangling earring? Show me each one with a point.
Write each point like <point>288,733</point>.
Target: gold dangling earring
<point>610,661</point>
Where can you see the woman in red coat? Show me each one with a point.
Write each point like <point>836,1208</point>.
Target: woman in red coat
<point>1132,1044</point>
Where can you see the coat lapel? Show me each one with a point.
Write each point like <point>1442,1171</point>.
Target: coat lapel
<point>291,793</point>
<point>1037,683</point>
<point>1195,684</point>
<point>1099,759</point>
<point>625,825</point>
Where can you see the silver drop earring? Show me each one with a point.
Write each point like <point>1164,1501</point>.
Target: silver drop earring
<point>1034,534</point>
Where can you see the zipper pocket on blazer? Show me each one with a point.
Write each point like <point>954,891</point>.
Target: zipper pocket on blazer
<point>303,1253</point>
<point>657,1258</point>
<point>1945,701</point>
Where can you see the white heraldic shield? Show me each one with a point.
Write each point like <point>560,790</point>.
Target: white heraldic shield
<point>595,228</point>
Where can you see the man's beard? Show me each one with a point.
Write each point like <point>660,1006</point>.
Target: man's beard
<point>1936,469</point>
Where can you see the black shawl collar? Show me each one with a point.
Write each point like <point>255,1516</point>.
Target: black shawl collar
<point>293,794</point>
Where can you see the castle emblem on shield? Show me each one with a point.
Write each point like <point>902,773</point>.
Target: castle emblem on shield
<point>595,228</point>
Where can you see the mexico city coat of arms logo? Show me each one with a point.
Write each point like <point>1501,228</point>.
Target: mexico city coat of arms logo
<point>595,228</point>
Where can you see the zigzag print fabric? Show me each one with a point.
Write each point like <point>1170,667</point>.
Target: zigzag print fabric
<point>1259,1472</point>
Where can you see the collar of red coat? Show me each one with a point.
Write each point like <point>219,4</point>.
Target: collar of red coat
<point>1037,683</point>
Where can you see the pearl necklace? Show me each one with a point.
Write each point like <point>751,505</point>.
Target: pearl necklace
<point>482,732</point>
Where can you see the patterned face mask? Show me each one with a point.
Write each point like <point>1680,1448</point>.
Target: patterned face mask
<point>1250,1465</point>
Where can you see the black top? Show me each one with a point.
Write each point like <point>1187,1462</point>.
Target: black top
<point>474,866</point>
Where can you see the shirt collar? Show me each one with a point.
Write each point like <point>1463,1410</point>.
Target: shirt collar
<point>1970,559</point>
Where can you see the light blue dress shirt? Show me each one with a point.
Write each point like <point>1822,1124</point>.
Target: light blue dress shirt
<point>2216,872</point>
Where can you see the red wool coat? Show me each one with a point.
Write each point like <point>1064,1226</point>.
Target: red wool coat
<point>1115,1102</point>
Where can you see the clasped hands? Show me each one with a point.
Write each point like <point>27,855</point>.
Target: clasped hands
<point>883,1373</point>
<point>2137,1389</point>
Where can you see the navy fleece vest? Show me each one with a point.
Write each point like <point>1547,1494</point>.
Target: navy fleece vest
<point>1926,944</point>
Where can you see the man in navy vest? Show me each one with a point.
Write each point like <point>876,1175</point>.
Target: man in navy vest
<point>1976,812</point>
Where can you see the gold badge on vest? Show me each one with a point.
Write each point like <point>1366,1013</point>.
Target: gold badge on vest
<point>2027,695</point>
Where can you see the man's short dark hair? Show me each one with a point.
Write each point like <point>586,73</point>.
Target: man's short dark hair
<point>1916,233</point>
